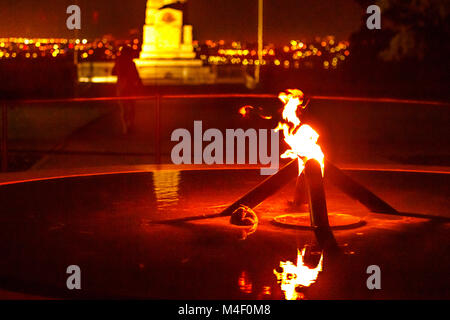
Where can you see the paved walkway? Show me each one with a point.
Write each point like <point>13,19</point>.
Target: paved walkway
<point>102,143</point>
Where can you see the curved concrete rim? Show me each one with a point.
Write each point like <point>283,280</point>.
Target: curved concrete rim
<point>50,174</point>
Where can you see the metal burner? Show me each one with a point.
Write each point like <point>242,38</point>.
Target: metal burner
<point>338,221</point>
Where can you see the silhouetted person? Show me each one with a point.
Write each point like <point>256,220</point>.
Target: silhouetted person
<point>128,84</point>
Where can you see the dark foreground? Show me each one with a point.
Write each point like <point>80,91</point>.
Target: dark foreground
<point>102,223</point>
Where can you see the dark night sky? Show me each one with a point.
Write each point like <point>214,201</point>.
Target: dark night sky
<point>212,19</point>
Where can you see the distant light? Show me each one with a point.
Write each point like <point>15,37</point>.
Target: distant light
<point>108,79</point>
<point>84,41</point>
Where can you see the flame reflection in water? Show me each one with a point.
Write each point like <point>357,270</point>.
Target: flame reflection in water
<point>165,185</point>
<point>245,284</point>
<point>297,276</point>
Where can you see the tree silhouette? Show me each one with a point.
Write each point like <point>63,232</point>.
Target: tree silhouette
<point>414,30</point>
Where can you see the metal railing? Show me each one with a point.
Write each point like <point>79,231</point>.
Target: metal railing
<point>159,98</point>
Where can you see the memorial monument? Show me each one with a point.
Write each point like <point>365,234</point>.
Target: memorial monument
<point>167,55</point>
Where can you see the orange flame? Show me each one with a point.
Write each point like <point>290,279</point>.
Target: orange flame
<point>300,137</point>
<point>245,112</point>
<point>299,275</point>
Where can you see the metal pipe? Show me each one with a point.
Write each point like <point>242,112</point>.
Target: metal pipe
<point>356,191</point>
<point>300,195</point>
<point>316,194</point>
<point>318,207</point>
<point>366,197</point>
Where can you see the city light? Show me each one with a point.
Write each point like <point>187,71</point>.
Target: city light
<point>326,53</point>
